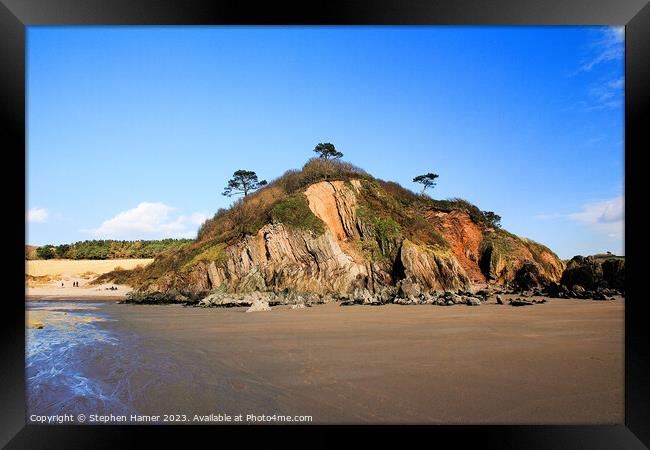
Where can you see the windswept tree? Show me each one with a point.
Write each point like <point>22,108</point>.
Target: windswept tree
<point>243,182</point>
<point>492,219</point>
<point>428,180</point>
<point>327,151</point>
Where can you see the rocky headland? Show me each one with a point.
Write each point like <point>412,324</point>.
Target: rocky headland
<point>332,232</point>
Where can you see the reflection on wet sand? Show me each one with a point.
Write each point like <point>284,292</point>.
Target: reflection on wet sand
<point>62,341</point>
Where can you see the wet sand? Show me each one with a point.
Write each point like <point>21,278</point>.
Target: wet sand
<point>556,363</point>
<point>69,293</point>
<point>84,292</point>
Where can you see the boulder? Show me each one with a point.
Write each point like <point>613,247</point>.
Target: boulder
<point>555,290</point>
<point>259,305</point>
<point>578,291</point>
<point>499,300</point>
<point>347,303</point>
<point>414,300</point>
<point>614,273</point>
<point>372,301</point>
<point>155,298</point>
<point>362,296</point>
<point>594,272</point>
<point>220,299</point>
<point>408,288</point>
<point>520,302</point>
<point>473,301</point>
<point>530,276</point>
<point>427,299</point>
<point>599,296</point>
<point>386,294</point>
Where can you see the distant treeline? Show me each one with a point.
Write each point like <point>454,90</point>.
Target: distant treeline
<point>106,249</point>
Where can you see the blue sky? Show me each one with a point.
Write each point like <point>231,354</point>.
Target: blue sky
<point>134,131</point>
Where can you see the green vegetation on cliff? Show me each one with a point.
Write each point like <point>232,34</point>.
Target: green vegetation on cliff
<point>501,254</point>
<point>213,253</point>
<point>295,212</point>
<point>391,203</point>
<point>385,231</point>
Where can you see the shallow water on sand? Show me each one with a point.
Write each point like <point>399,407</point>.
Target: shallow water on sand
<point>65,344</point>
<point>561,362</point>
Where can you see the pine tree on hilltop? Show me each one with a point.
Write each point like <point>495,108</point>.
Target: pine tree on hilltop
<point>243,182</point>
<point>427,180</point>
<point>327,151</point>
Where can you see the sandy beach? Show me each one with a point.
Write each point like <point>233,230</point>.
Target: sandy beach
<point>53,279</point>
<point>556,363</point>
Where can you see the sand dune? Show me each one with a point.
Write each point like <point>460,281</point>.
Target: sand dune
<point>54,278</point>
<point>71,267</point>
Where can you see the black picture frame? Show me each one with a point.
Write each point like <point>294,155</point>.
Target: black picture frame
<point>16,15</point>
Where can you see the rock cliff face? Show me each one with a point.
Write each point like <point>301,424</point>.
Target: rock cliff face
<point>361,238</point>
<point>504,255</point>
<point>278,258</point>
<point>430,270</point>
<point>595,272</point>
<point>464,237</point>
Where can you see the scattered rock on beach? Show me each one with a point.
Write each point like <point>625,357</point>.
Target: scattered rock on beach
<point>407,288</point>
<point>362,296</point>
<point>600,296</point>
<point>427,298</point>
<point>578,290</point>
<point>259,305</point>
<point>520,302</point>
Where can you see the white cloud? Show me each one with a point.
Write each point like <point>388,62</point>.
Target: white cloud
<point>606,217</point>
<point>149,220</point>
<point>608,47</point>
<point>618,83</point>
<point>607,91</point>
<point>606,95</point>
<point>36,215</point>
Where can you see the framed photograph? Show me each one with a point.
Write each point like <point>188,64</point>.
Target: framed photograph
<point>352,213</point>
